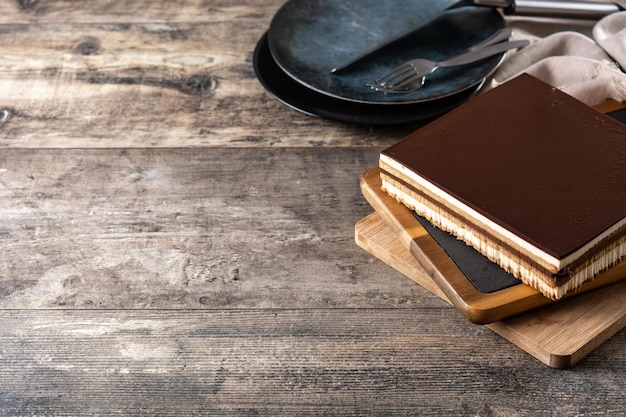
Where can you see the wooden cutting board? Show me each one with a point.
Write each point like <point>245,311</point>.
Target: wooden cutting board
<point>559,334</point>
<point>445,264</point>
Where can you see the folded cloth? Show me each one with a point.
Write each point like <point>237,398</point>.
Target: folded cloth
<point>584,67</point>
<point>610,33</point>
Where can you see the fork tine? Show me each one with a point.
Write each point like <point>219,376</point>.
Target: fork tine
<point>398,77</point>
<point>408,84</point>
<point>409,81</point>
<point>392,77</point>
<point>400,80</point>
<point>394,73</point>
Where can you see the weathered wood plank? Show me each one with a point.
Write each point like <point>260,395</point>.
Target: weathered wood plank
<point>287,362</point>
<point>214,281</point>
<point>138,11</point>
<point>147,85</point>
<point>189,228</point>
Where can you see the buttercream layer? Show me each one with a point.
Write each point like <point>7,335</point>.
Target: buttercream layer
<point>530,270</point>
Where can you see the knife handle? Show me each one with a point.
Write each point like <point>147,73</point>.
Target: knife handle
<point>554,8</point>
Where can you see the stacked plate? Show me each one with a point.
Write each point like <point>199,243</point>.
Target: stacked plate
<point>308,38</point>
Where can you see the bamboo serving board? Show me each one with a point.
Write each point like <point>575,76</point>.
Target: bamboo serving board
<point>478,307</point>
<point>558,335</point>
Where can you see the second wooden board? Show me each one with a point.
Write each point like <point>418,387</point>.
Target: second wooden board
<point>476,306</point>
<point>559,334</point>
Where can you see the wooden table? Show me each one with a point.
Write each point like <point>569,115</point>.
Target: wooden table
<point>176,242</point>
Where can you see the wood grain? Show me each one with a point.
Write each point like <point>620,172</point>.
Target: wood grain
<point>152,84</point>
<point>286,362</point>
<point>373,234</point>
<point>186,228</point>
<point>176,242</point>
<point>559,335</point>
<point>41,12</point>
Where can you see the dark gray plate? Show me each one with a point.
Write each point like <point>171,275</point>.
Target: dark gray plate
<point>303,99</point>
<point>307,38</point>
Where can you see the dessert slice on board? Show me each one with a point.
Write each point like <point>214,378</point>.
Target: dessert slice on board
<point>476,305</point>
<point>527,175</point>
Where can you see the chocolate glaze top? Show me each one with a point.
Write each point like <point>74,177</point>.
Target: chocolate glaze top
<point>531,158</point>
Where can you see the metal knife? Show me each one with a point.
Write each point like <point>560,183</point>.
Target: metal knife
<point>553,8</point>
<point>546,8</point>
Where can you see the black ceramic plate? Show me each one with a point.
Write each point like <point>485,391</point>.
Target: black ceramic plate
<point>308,38</point>
<point>305,100</point>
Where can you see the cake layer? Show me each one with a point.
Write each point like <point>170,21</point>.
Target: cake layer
<point>531,272</point>
<point>525,174</point>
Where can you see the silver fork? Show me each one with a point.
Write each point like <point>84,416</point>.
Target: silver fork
<point>411,75</point>
<point>498,36</point>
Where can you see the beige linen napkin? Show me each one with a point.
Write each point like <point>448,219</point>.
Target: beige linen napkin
<point>610,34</point>
<point>584,63</point>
